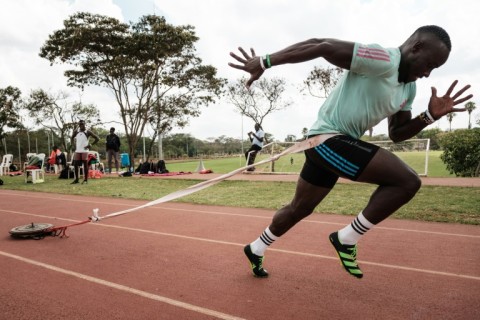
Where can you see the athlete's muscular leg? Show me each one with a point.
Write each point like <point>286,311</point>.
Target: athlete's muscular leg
<point>398,184</point>
<point>307,197</point>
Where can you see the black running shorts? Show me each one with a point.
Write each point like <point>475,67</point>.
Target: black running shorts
<point>338,156</point>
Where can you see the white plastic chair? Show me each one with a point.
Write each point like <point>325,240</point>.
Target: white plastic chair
<point>36,175</point>
<point>5,165</point>
<point>71,166</point>
<point>29,156</point>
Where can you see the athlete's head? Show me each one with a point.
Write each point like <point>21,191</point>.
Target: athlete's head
<point>426,49</point>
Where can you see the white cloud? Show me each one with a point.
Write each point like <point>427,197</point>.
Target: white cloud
<point>267,26</point>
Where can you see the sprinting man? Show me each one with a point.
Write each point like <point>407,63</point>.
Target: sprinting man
<point>81,137</point>
<point>379,83</point>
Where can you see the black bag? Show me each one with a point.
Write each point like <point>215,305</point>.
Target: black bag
<point>61,159</point>
<point>145,168</point>
<point>66,174</point>
<point>161,167</point>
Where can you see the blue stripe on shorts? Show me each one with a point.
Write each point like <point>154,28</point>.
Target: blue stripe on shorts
<point>340,163</point>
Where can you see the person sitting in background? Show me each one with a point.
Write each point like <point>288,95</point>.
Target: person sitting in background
<point>52,159</point>
<point>61,160</point>
<point>56,158</point>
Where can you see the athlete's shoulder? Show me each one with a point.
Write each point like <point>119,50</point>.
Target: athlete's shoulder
<point>375,60</point>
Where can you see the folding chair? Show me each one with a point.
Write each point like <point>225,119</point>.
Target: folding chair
<point>5,165</point>
<point>36,175</point>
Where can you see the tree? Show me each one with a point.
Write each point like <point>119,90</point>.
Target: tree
<point>291,138</point>
<point>431,134</point>
<point>304,133</point>
<point>461,151</point>
<point>450,117</point>
<point>470,106</point>
<point>149,66</point>
<point>258,103</point>
<point>56,113</point>
<point>10,106</point>
<point>321,81</point>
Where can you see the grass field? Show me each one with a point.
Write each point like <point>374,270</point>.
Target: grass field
<point>430,204</point>
<point>436,168</point>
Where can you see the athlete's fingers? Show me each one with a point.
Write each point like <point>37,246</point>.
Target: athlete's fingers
<point>236,66</point>
<point>463,100</point>
<point>452,86</point>
<point>244,53</point>
<point>239,59</point>
<point>459,93</point>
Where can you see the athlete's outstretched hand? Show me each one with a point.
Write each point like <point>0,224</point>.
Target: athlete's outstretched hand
<point>250,64</point>
<point>440,106</point>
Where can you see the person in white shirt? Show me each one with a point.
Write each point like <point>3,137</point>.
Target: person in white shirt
<point>82,145</point>
<point>257,144</point>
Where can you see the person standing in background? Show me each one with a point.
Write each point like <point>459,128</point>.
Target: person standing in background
<point>81,136</point>
<point>113,147</point>
<point>257,144</point>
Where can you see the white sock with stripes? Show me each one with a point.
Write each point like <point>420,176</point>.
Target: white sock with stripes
<point>263,242</point>
<point>355,230</point>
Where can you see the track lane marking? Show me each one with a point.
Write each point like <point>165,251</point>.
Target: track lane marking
<point>144,294</point>
<point>247,215</point>
<point>433,272</point>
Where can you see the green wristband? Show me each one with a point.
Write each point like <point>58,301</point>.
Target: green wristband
<point>269,63</point>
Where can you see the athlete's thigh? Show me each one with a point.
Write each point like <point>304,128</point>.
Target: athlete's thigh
<point>308,196</point>
<point>385,168</point>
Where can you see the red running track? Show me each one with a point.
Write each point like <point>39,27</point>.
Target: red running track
<point>178,261</point>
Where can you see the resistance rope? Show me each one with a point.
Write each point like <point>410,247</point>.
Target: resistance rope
<point>298,147</point>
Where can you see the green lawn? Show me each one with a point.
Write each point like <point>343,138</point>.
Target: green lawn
<point>430,204</point>
<point>436,168</point>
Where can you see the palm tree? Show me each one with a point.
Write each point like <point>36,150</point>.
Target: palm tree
<point>450,118</point>
<point>470,106</point>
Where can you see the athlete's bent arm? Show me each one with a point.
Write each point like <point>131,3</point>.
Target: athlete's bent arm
<point>401,126</point>
<point>337,52</point>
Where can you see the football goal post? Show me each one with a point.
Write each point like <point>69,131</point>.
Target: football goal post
<point>413,152</point>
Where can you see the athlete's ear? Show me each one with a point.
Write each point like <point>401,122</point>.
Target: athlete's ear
<point>417,46</point>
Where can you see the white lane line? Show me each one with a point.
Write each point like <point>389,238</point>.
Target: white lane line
<point>120,287</point>
<point>433,272</point>
<point>308,220</point>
